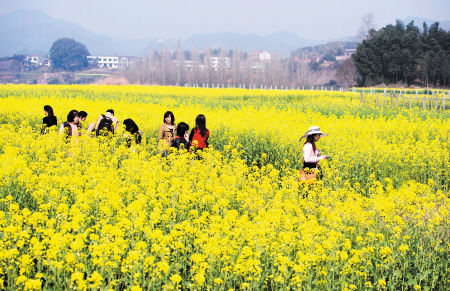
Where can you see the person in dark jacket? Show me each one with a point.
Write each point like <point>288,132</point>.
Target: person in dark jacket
<point>133,132</point>
<point>182,137</point>
<point>49,120</point>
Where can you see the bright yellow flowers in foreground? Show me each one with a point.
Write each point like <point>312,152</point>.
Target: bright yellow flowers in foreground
<point>90,213</point>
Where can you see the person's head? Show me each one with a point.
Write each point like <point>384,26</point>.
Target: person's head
<point>110,111</point>
<point>312,139</point>
<point>130,126</point>
<point>48,110</point>
<point>82,115</point>
<point>73,116</point>
<point>182,128</point>
<point>313,135</point>
<point>200,123</point>
<point>169,118</point>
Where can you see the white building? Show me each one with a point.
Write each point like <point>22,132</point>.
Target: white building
<point>259,56</point>
<point>33,60</point>
<point>349,52</point>
<point>187,65</point>
<point>347,55</point>
<point>110,61</point>
<point>218,62</point>
<point>258,59</point>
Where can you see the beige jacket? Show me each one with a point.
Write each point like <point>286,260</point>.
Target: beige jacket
<point>166,134</point>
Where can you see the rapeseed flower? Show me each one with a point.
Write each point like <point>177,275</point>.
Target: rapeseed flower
<point>88,213</point>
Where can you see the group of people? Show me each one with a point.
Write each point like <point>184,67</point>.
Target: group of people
<point>106,123</point>
<point>170,134</point>
<point>175,135</point>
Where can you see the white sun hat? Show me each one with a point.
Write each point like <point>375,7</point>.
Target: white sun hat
<point>314,130</point>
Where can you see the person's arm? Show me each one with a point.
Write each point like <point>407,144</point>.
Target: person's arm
<point>44,126</point>
<point>176,143</point>
<point>98,122</point>
<point>207,137</point>
<point>91,127</point>
<point>61,128</point>
<point>139,137</point>
<point>309,155</point>
<point>191,136</point>
<point>174,134</point>
<point>116,121</point>
<point>161,132</point>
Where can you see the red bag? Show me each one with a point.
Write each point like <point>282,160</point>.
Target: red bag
<point>310,175</point>
<point>202,141</point>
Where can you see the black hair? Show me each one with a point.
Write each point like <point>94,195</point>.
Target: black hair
<point>71,116</point>
<point>169,113</point>
<point>310,139</point>
<point>200,123</point>
<point>130,126</point>
<point>110,111</point>
<point>182,128</point>
<point>82,114</point>
<point>49,110</point>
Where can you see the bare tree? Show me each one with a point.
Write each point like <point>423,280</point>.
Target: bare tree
<point>276,70</point>
<point>180,65</point>
<point>208,67</point>
<point>195,58</point>
<point>367,26</point>
<point>236,62</point>
<point>304,73</point>
<point>165,60</point>
<point>222,68</point>
<point>346,73</point>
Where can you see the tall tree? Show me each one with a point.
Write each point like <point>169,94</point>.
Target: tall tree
<point>179,57</point>
<point>236,62</point>
<point>195,58</point>
<point>402,53</point>
<point>67,54</point>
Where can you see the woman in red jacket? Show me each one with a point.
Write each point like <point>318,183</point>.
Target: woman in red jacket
<point>199,134</point>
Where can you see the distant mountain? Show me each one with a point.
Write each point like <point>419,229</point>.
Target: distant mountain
<point>418,21</point>
<point>283,42</point>
<point>33,32</point>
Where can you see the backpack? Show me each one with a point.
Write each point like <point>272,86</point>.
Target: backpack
<point>106,125</point>
<point>67,128</point>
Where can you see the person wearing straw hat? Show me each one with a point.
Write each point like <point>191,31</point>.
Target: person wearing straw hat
<point>311,154</point>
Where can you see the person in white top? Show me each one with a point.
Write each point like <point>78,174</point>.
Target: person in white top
<point>311,155</point>
<point>70,127</point>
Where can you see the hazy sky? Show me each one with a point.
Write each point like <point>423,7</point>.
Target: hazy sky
<point>312,19</point>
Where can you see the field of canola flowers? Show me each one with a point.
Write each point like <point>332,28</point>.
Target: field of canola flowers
<point>93,214</point>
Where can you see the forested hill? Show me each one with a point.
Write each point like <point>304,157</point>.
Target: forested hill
<point>405,53</point>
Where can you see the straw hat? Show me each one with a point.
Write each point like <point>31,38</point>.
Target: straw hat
<point>314,130</point>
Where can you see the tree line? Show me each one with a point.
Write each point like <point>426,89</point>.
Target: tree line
<point>399,53</point>
<point>234,68</point>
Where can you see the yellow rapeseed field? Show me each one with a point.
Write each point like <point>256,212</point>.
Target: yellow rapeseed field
<point>91,213</point>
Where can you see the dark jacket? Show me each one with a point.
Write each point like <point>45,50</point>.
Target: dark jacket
<point>178,141</point>
<point>50,121</point>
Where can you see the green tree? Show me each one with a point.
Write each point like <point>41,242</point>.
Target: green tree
<point>404,53</point>
<point>67,54</point>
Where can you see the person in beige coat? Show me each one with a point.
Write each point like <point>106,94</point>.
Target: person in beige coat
<point>168,130</point>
